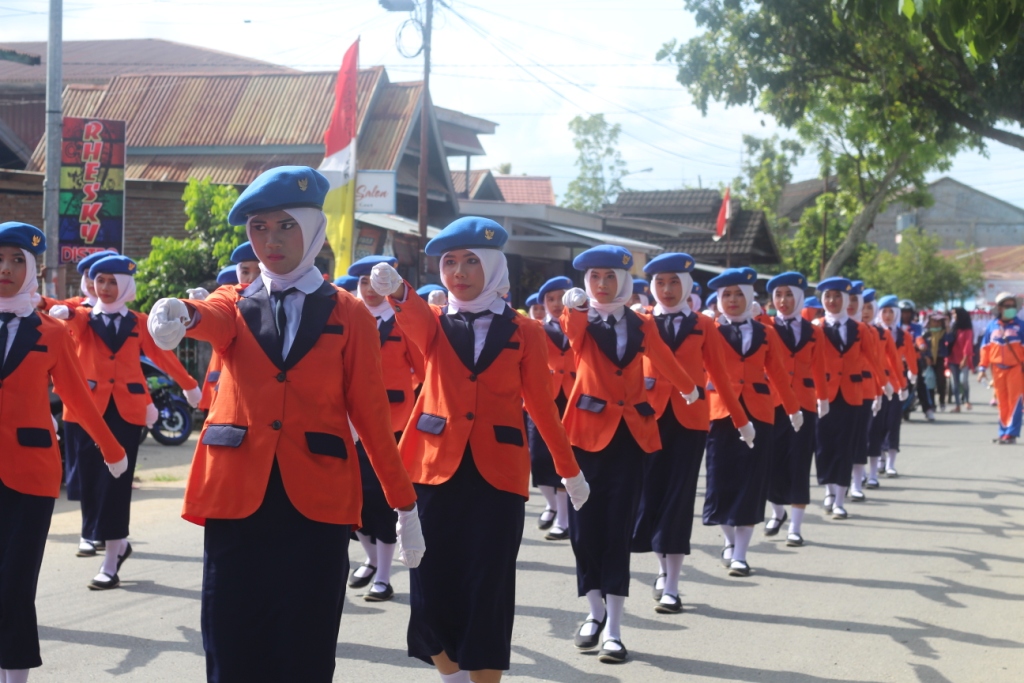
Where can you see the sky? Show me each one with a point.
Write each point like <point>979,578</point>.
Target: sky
<point>528,65</point>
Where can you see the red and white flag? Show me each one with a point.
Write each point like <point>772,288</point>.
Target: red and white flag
<point>339,164</point>
<point>724,214</point>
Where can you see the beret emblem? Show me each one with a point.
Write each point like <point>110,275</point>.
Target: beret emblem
<point>303,183</point>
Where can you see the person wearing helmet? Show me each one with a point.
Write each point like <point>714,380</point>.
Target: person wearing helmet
<point>915,368</point>
<point>1001,351</point>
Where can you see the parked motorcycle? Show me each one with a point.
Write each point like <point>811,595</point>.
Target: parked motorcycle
<point>174,425</point>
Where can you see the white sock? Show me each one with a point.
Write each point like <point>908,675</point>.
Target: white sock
<point>873,463</point>
<point>840,496</point>
<point>661,563</point>
<point>371,554</point>
<point>796,520</point>
<point>858,474</point>
<point>891,461</point>
<point>562,509</point>
<point>114,549</point>
<point>616,606</point>
<point>597,612</point>
<point>15,676</point>
<point>459,676</point>
<point>830,489</point>
<point>730,534</point>
<point>549,496</point>
<point>385,553</point>
<point>744,534</point>
<point>673,567</point>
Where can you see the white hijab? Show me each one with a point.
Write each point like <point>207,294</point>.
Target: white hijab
<point>313,224</point>
<point>684,305</point>
<point>842,316</point>
<point>798,304</point>
<point>89,298</point>
<point>695,302</point>
<point>27,298</point>
<point>125,295</point>
<point>382,310</point>
<point>495,285</point>
<point>860,307</point>
<point>748,293</point>
<point>895,321</point>
<point>617,304</point>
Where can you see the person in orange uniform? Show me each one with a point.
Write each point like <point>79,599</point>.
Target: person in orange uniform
<point>793,451</point>
<point>884,432</point>
<point>612,426</point>
<point>466,452</point>
<point>812,309</point>
<point>88,289</point>
<point>34,350</point>
<point>664,520</point>
<point>275,466</point>
<point>737,478</point>
<point>1002,351</point>
<point>891,362</point>
<point>534,307</point>
<point>402,364</point>
<point>110,340</point>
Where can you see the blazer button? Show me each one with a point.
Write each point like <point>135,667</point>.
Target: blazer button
<point>470,416</point>
<point>472,378</point>
<point>398,309</point>
<point>111,381</point>
<point>741,381</point>
<point>113,357</point>
<point>280,377</point>
<point>561,372</point>
<point>619,373</point>
<point>276,424</point>
<point>622,403</point>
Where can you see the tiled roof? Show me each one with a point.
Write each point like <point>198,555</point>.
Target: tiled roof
<point>459,180</point>
<point>751,242</point>
<point>526,189</point>
<point>798,196</point>
<point>664,202</point>
<point>995,259</point>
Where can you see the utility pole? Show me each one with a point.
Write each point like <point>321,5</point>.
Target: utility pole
<point>54,111</point>
<point>424,127</point>
<point>824,227</point>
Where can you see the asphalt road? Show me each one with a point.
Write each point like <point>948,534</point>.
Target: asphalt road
<point>925,582</point>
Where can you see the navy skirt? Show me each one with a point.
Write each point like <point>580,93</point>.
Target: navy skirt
<point>664,520</point>
<point>601,533</point>
<point>542,465</point>
<point>76,439</point>
<point>884,431</point>
<point>106,501</point>
<point>860,433</point>
<point>463,595</point>
<point>378,518</point>
<point>737,478</point>
<point>833,456</point>
<point>273,591</point>
<point>789,479</point>
<point>24,524</point>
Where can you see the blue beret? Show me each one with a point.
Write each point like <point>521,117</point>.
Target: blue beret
<point>788,279</point>
<point>425,290</point>
<point>284,187</point>
<point>670,263</point>
<point>243,252</point>
<point>641,286</point>
<point>469,232</point>
<point>555,284</point>
<point>533,299</point>
<point>812,302</point>
<point>227,276</point>
<point>28,237</point>
<point>696,289</point>
<point>890,301</point>
<point>869,296</point>
<point>347,282</point>
<point>734,276</point>
<point>604,256</point>
<point>113,265</point>
<point>858,287</point>
<point>85,264</point>
<point>838,283</point>
<point>364,265</point>
<point>712,300</point>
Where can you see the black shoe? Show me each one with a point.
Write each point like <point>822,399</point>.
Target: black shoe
<point>739,568</point>
<point>674,607</point>
<point>614,656</point>
<point>839,513</point>
<point>857,497</point>
<point>657,592</point>
<point>583,642</point>
<point>122,558</point>
<point>828,502</point>
<point>86,549</point>
<point>546,522</point>
<point>557,534</point>
<point>726,562</point>
<point>771,531</point>
<point>380,596</point>
<point>105,583</point>
<point>872,483</point>
<point>361,581</point>
<point>794,540</point>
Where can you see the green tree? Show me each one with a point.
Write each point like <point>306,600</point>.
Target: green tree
<point>600,165</point>
<point>767,169</point>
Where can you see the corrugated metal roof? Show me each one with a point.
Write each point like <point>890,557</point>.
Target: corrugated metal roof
<point>665,202</point>
<point>25,116</point>
<point>239,169</point>
<point>386,131</point>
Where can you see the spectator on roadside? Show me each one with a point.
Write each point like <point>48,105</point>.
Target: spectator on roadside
<point>961,357</point>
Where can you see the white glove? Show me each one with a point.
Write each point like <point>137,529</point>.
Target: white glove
<point>797,420</point>
<point>876,405</point>
<point>60,312</point>
<point>904,394</point>
<point>385,280</point>
<point>575,297</point>
<point>822,407</point>
<point>118,468</point>
<point>578,489</point>
<point>438,298</point>
<point>911,376</point>
<point>152,415</point>
<point>747,434</point>
<point>888,390</point>
<point>411,545</point>
<point>193,396</point>
<point>639,308</point>
<point>692,396</point>
<point>54,421</point>
<point>755,310</point>
<point>197,293</point>
<point>167,323</point>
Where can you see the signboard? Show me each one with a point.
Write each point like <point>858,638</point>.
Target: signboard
<point>376,191</point>
<point>91,188</point>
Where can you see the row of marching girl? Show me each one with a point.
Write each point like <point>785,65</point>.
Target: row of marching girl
<point>34,349</point>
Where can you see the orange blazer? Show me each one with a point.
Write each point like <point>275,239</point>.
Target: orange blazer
<point>893,361</point>
<point>749,374</point>
<point>699,350</point>
<point>213,371</point>
<point>402,364</point>
<point>906,352</point>
<point>294,410</point>
<point>607,392</point>
<point>46,303</point>
<point>873,364</point>
<point>30,460</point>
<point>479,403</point>
<point>116,372</point>
<point>561,359</point>
<point>843,368</point>
<point>804,362</point>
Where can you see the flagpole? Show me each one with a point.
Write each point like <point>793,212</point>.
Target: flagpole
<point>424,128</point>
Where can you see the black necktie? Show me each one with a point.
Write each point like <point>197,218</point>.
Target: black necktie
<point>280,317</point>
<point>832,330</point>
<point>111,327</point>
<point>4,319</point>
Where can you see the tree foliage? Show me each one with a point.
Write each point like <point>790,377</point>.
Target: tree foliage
<point>601,167</point>
<point>767,169</point>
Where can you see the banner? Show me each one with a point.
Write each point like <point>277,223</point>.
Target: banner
<point>339,164</point>
<point>376,192</point>
<point>91,188</point>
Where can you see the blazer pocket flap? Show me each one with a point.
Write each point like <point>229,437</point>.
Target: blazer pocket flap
<point>761,388</point>
<point>396,395</point>
<point>321,443</point>
<point>509,435</point>
<point>136,388</point>
<point>866,374</point>
<point>856,378</point>
<point>213,376</point>
<point>649,383</point>
<point>644,409</point>
<point>590,403</point>
<point>512,345</point>
<point>34,437</point>
<point>808,382</point>
<point>224,435</point>
<point>334,329</point>
<point>431,424</point>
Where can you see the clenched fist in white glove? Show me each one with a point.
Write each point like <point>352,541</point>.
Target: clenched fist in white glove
<point>168,320</point>
<point>578,490</point>
<point>437,298</point>
<point>118,468</point>
<point>797,420</point>
<point>876,405</point>
<point>912,377</point>
<point>193,396</point>
<point>889,391</point>
<point>60,312</point>
<point>197,293</point>
<point>692,396</point>
<point>575,297</point>
<point>384,279</point>
<point>638,308</point>
<point>152,415</point>
<point>822,407</point>
<point>411,545</point>
<point>747,434</point>
<point>904,394</point>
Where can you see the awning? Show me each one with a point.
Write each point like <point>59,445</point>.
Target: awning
<point>579,237</point>
<point>400,224</point>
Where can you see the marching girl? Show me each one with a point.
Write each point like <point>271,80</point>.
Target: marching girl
<point>664,520</point>
<point>695,297</point>
<point>1002,350</point>
<point>402,364</point>
<point>884,427</point>
<point>812,309</point>
<point>110,340</point>
<point>737,478</point>
<point>711,304</point>
<point>275,466</point>
<point>88,289</point>
<point>33,350</point>
<point>611,426</point>
<point>534,307</point>
<point>466,452</point>
<point>347,282</point>
<point>562,364</point>
<point>793,451</point>
<point>640,301</point>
